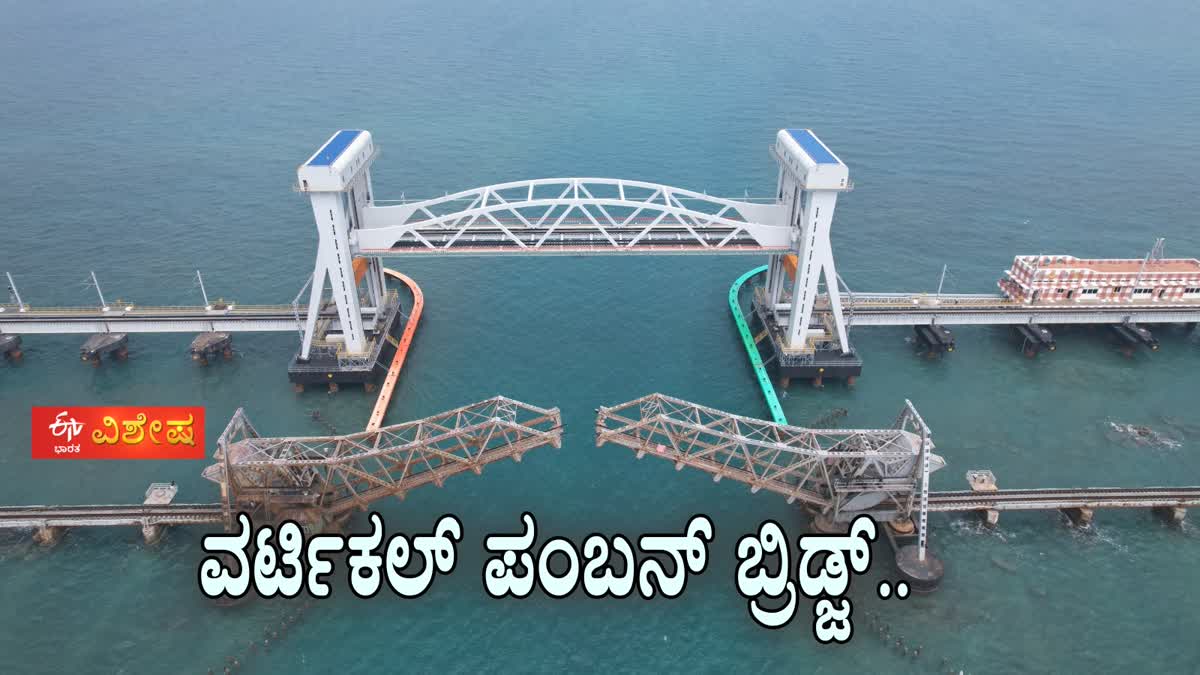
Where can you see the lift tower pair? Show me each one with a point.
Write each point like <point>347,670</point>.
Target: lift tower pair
<point>577,216</point>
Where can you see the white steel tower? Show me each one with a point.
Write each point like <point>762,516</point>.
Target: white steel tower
<point>338,180</point>
<point>810,178</point>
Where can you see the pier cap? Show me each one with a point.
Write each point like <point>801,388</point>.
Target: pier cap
<point>337,162</point>
<point>802,153</point>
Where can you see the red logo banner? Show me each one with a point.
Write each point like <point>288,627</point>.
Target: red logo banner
<point>110,432</point>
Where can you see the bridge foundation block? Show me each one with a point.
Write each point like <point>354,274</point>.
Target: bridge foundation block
<point>1035,339</point>
<point>100,344</point>
<point>10,346</point>
<point>330,366</point>
<point>934,339</point>
<point>923,576</point>
<point>1172,514</point>
<point>1080,517</point>
<point>151,533</point>
<point>982,480</point>
<point>49,536</point>
<point>209,345</point>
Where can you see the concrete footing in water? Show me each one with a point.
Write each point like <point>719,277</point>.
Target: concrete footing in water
<point>922,574</point>
<point>1172,514</point>
<point>982,480</point>
<point>100,344</point>
<point>1080,517</point>
<point>49,536</point>
<point>10,346</point>
<point>208,346</point>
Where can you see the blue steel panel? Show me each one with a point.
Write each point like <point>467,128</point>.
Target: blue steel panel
<point>334,148</point>
<point>812,146</point>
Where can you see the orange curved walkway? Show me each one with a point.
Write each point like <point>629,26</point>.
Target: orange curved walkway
<point>393,374</point>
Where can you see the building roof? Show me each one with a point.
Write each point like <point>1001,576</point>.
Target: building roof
<point>813,147</point>
<point>334,147</point>
<point>1118,265</point>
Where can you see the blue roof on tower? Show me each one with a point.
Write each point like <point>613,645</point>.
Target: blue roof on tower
<point>815,149</point>
<point>334,148</point>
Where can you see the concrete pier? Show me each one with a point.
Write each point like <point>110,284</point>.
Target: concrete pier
<point>1080,516</point>
<point>1132,335</point>
<point>922,575</point>
<point>208,345</point>
<point>10,346</point>
<point>1035,339</point>
<point>1172,514</point>
<point>100,344</point>
<point>47,535</point>
<point>982,480</point>
<point>935,339</point>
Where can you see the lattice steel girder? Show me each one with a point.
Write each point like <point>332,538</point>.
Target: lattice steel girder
<point>339,473</point>
<point>564,215</point>
<point>838,471</point>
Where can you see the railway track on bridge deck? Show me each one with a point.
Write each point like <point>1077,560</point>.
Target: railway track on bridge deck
<point>1063,498</point>
<point>109,515</point>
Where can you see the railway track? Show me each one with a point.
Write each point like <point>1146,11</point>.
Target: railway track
<point>23,517</point>
<point>1063,498</point>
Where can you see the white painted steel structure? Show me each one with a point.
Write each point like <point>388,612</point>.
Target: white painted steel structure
<point>578,216</point>
<point>571,216</point>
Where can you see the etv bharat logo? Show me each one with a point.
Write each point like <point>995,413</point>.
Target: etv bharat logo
<point>127,432</point>
<point>69,428</point>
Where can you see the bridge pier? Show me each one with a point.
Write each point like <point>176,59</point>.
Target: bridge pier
<point>1035,339</point>
<point>982,480</point>
<point>10,346</point>
<point>49,535</point>
<point>1132,335</point>
<point>209,345</point>
<point>1172,514</point>
<point>1080,516</point>
<point>935,339</point>
<point>151,533</point>
<point>100,344</point>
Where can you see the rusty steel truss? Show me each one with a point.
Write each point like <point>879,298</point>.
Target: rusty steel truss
<point>838,472</point>
<point>336,474</point>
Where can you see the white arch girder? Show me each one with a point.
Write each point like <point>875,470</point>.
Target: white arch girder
<point>496,221</point>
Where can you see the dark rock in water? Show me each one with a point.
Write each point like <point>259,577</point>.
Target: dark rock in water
<point>1039,592</point>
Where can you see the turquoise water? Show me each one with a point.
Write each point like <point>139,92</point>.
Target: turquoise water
<point>148,139</point>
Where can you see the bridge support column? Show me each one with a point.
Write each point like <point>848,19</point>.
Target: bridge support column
<point>100,344</point>
<point>10,346</point>
<point>982,480</point>
<point>49,535</point>
<point>1080,517</point>
<point>1172,514</point>
<point>209,345</point>
<point>923,576</point>
<point>151,533</point>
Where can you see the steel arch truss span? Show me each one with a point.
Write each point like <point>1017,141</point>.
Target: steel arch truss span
<point>573,216</point>
<point>841,472</point>
<point>339,473</point>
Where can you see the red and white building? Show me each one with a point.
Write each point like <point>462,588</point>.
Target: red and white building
<point>1060,279</point>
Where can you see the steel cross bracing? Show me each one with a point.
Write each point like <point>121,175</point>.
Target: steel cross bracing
<point>569,216</point>
<point>338,473</point>
<point>841,472</point>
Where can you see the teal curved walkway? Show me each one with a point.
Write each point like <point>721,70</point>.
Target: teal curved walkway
<point>760,369</point>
